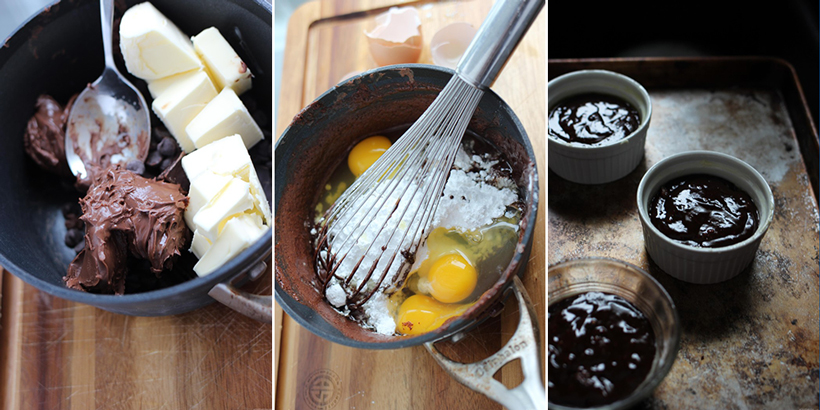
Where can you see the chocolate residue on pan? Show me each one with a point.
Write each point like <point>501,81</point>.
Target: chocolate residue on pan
<point>406,72</point>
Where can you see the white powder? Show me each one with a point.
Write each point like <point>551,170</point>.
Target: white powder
<point>336,294</point>
<point>469,202</point>
<point>378,315</point>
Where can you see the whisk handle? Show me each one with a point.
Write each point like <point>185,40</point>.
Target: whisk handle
<point>496,39</point>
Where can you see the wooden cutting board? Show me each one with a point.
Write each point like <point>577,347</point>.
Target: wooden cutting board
<point>325,42</point>
<point>58,354</point>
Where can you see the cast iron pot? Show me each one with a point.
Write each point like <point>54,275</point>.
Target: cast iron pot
<point>58,52</point>
<point>318,140</point>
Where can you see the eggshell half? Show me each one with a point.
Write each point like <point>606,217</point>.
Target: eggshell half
<point>450,43</point>
<point>397,38</point>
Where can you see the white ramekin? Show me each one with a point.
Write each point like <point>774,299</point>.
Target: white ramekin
<point>606,163</point>
<point>703,265</point>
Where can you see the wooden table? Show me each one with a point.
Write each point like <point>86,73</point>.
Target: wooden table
<point>325,42</point>
<point>58,354</point>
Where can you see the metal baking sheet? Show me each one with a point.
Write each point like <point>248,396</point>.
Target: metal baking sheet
<point>752,341</point>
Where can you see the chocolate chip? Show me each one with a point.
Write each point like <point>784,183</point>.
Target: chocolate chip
<point>154,158</point>
<point>159,134</point>
<point>166,163</point>
<point>71,208</point>
<point>167,147</point>
<point>73,237</point>
<point>73,221</point>
<point>260,117</point>
<point>249,102</point>
<point>136,166</point>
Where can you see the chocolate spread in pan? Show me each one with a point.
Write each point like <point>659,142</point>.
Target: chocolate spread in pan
<point>44,139</point>
<point>124,214</point>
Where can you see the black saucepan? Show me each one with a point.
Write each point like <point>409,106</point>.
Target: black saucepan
<point>58,52</point>
<point>318,140</point>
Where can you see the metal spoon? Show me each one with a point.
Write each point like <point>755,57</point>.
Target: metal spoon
<point>109,123</point>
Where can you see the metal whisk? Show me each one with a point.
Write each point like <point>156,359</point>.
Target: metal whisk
<point>368,238</point>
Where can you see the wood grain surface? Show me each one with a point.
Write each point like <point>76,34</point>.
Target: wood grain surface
<point>324,43</point>
<point>58,354</point>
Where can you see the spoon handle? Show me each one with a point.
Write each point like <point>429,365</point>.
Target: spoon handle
<point>107,20</point>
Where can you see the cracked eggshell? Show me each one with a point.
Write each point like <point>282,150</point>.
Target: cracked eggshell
<point>396,39</point>
<point>450,43</point>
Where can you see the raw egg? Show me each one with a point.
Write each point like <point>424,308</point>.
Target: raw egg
<point>420,314</point>
<point>452,278</point>
<point>396,39</point>
<point>366,152</point>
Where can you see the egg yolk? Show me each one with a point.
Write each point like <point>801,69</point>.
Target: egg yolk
<point>452,278</point>
<point>365,153</point>
<point>420,314</point>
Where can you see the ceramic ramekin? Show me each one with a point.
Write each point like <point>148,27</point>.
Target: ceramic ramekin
<point>585,164</point>
<point>703,265</point>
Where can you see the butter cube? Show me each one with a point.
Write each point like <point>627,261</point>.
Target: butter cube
<point>158,86</point>
<point>200,244</point>
<point>152,46</point>
<point>238,234</point>
<point>225,66</point>
<point>204,187</point>
<point>228,156</point>
<point>225,115</point>
<point>234,199</point>
<point>181,102</point>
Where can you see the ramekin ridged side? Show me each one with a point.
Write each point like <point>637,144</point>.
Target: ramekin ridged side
<point>694,264</point>
<point>605,163</point>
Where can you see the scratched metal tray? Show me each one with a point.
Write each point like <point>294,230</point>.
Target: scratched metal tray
<point>752,341</point>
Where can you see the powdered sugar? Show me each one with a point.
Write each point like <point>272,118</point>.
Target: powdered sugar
<point>470,203</point>
<point>474,196</point>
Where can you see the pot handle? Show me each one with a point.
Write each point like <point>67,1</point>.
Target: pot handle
<point>257,307</point>
<point>523,345</point>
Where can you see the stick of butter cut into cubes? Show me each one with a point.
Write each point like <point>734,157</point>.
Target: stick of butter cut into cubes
<point>221,61</point>
<point>188,76</point>
<point>227,210</point>
<point>224,115</point>
<point>196,83</point>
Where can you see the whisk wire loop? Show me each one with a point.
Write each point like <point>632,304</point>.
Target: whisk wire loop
<point>380,221</point>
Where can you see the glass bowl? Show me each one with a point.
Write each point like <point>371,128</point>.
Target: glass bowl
<point>612,276</point>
